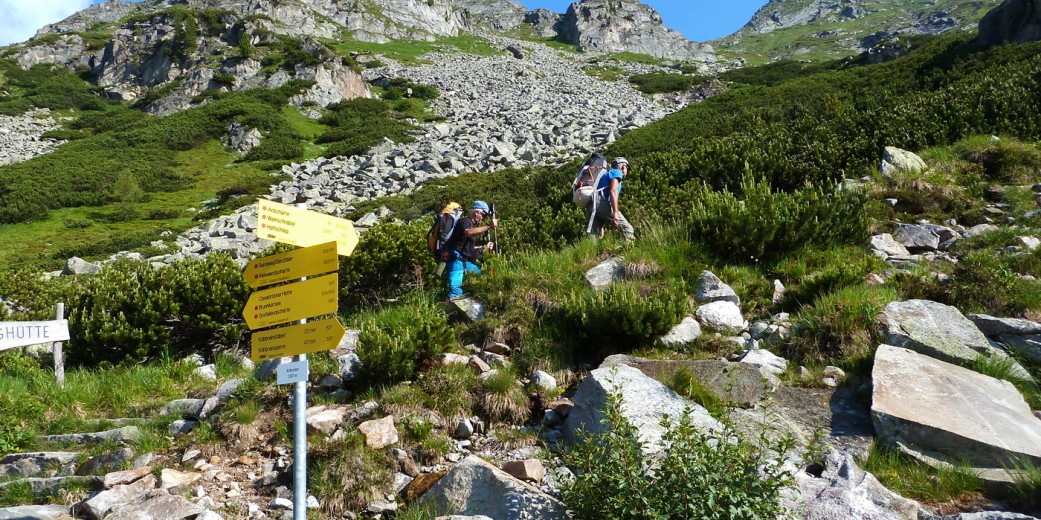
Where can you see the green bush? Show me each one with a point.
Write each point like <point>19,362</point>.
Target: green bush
<point>840,326</point>
<point>622,317</point>
<point>1007,160</point>
<point>700,475</point>
<point>660,82</point>
<point>764,223</point>
<point>390,260</point>
<point>131,312</point>
<point>396,339</point>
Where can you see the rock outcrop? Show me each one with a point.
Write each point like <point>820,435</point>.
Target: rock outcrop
<point>625,26</point>
<point>475,487</point>
<point>930,407</point>
<point>1012,21</point>
<point>643,402</point>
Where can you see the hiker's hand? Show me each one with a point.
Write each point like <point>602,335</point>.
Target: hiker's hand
<point>495,223</point>
<point>616,219</point>
<point>490,246</point>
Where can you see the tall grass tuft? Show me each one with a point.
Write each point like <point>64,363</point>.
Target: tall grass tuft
<point>917,480</point>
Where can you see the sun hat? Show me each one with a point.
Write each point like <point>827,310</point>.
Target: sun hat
<point>480,205</point>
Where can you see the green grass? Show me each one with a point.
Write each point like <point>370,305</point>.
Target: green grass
<point>78,231</point>
<point>30,397</point>
<point>919,481</point>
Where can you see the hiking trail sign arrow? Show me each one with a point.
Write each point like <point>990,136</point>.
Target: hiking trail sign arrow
<point>291,302</point>
<point>305,338</point>
<point>292,265</point>
<point>300,227</point>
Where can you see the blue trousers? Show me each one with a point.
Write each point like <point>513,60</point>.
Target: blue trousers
<point>457,268</point>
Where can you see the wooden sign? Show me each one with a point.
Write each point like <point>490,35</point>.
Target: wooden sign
<point>24,333</point>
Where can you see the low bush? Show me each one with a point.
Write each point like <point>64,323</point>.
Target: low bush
<point>1004,160</point>
<point>396,339</point>
<point>840,326</point>
<point>700,474</point>
<point>390,260</point>
<point>763,223</point>
<point>620,318</point>
<point>661,82</point>
<point>346,475</point>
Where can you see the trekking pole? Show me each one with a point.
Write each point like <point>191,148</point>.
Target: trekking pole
<point>495,232</point>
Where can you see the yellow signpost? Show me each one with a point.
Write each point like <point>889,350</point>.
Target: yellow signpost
<point>306,338</point>
<point>291,302</point>
<point>291,265</point>
<point>301,227</point>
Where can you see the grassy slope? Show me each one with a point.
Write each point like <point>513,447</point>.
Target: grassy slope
<point>838,37</point>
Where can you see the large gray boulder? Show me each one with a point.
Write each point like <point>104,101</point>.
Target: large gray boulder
<point>1012,21</point>
<point>121,435</point>
<point>735,383</point>
<point>931,407</point>
<point>685,333</point>
<point>643,402</point>
<point>917,239</point>
<point>38,464</point>
<point>156,504</point>
<point>1028,347</point>
<point>475,487</point>
<point>843,490</point>
<point>939,331</point>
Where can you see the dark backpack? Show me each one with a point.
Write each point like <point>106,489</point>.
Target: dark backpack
<point>441,232</point>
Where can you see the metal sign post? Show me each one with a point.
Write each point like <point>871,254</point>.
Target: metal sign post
<point>323,239</point>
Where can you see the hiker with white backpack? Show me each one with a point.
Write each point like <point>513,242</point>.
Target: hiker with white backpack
<point>598,189</point>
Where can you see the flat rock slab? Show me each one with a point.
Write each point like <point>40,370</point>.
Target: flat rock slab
<point>475,487</point>
<point>939,331</point>
<point>124,434</point>
<point>644,401</point>
<point>933,406</point>
<point>156,505</point>
<point>994,326</point>
<point>735,383</point>
<point>35,513</point>
<point>50,485</point>
<point>36,464</point>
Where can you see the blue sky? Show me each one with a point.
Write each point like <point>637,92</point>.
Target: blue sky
<point>698,20</point>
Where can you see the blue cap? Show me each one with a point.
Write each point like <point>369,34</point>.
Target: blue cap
<point>480,205</point>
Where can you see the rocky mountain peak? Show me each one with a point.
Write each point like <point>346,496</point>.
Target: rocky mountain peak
<point>625,26</point>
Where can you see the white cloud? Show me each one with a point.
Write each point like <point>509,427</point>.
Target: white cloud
<point>20,19</point>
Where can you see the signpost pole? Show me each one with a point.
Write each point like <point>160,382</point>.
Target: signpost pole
<point>59,355</point>
<point>300,437</point>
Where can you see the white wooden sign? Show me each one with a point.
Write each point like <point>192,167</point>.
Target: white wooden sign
<point>23,333</point>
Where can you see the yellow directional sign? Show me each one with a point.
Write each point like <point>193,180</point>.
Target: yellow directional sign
<point>300,227</point>
<point>291,302</point>
<point>290,265</point>
<point>306,338</point>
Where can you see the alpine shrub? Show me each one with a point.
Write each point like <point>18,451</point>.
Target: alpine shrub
<point>395,340</point>
<point>622,318</point>
<point>763,222</point>
<point>701,474</point>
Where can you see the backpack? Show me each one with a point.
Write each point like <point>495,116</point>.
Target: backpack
<point>588,178</point>
<point>441,232</point>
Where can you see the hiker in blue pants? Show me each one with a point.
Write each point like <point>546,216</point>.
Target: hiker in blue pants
<point>464,250</point>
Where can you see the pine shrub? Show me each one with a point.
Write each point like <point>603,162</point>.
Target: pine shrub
<point>395,340</point>
<point>763,223</point>
<point>622,317</point>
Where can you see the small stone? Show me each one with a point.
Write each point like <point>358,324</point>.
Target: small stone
<point>543,381</point>
<point>379,433</point>
<point>530,469</point>
<point>464,430</point>
<point>478,364</point>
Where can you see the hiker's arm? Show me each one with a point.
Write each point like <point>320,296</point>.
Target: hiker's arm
<point>474,231</point>
<point>614,200</point>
